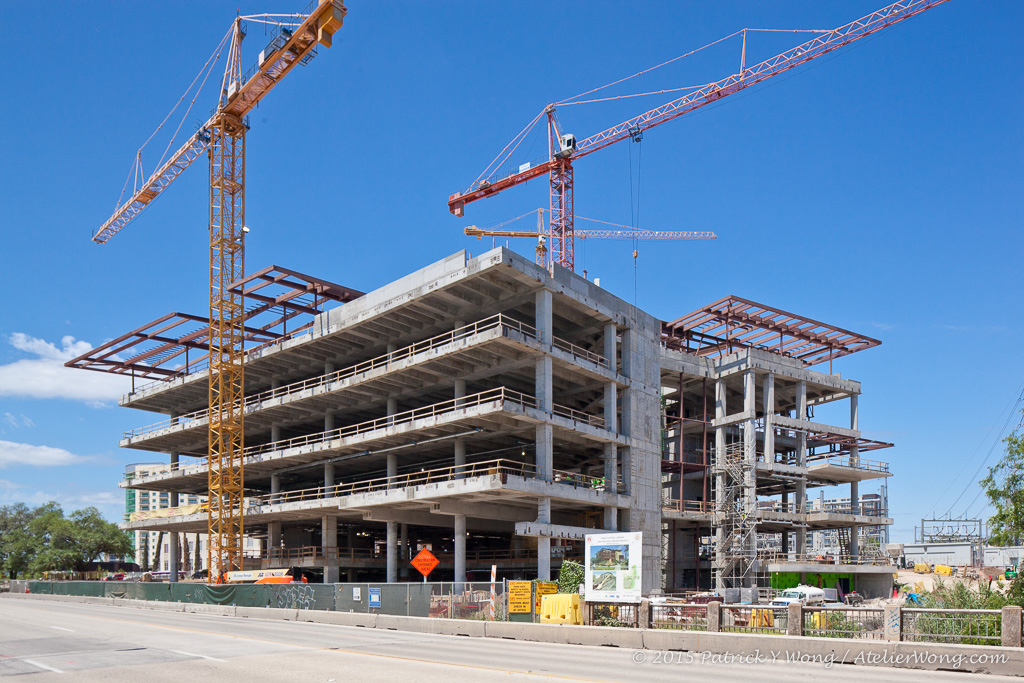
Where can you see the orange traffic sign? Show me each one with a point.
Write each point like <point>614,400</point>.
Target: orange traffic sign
<point>425,562</point>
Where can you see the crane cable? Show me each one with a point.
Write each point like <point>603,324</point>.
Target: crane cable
<point>136,169</point>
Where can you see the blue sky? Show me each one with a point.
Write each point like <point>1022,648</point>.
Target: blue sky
<point>878,188</point>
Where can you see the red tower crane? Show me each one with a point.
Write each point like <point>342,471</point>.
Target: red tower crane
<point>564,150</point>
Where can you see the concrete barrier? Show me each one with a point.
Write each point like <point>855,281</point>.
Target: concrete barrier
<point>339,618</point>
<point>219,610</point>
<point>567,634</point>
<point>697,645</point>
<point>268,613</point>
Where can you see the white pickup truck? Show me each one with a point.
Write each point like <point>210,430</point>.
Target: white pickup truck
<point>805,595</point>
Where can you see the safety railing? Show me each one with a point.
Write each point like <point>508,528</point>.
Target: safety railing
<point>494,322</point>
<point>846,461</point>
<point>778,557</point>
<point>754,619</point>
<point>499,321</point>
<point>579,352</point>
<point>687,505</point>
<point>962,626</point>
<point>844,622</point>
<point>680,617</point>
<point>578,416</point>
<point>499,395</point>
<point>448,473</point>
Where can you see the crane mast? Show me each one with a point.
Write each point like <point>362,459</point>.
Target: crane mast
<point>222,138</point>
<point>563,149</point>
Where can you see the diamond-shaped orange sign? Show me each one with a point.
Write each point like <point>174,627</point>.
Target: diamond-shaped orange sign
<point>425,562</point>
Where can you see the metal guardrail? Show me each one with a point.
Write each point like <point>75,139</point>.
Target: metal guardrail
<point>754,619</point>
<point>844,622</point>
<point>499,395</point>
<point>498,321</point>
<point>447,473</point>
<point>963,626</point>
<point>680,617</point>
<point>781,558</point>
<point>847,461</point>
<point>687,505</point>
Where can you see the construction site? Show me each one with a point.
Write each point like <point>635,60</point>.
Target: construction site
<point>492,408</point>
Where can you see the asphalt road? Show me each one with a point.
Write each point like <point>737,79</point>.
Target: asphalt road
<point>73,641</point>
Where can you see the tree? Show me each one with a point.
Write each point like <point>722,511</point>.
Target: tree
<point>95,536</point>
<point>1004,487</point>
<point>43,539</point>
<point>17,546</point>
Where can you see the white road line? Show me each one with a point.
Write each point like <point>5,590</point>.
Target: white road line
<point>190,654</point>
<point>42,666</point>
<point>61,628</point>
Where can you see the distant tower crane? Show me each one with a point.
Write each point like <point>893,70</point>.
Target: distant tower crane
<point>222,138</point>
<point>626,233</point>
<point>564,149</point>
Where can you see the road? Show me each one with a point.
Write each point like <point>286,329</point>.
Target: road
<point>73,641</point>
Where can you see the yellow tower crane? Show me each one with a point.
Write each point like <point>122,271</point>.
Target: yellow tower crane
<point>222,138</point>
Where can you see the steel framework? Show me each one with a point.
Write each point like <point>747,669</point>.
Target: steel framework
<point>563,153</point>
<point>732,323</point>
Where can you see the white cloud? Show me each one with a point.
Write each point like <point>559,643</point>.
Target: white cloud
<point>12,453</point>
<point>46,376</point>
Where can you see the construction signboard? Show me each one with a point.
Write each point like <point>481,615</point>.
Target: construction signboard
<point>613,563</point>
<point>425,562</point>
<point>519,593</point>
<point>545,588</point>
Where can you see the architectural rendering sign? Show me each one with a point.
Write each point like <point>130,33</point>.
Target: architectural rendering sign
<point>613,563</point>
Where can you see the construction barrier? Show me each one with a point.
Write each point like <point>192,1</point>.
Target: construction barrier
<point>922,568</point>
<point>943,570</point>
<point>561,608</point>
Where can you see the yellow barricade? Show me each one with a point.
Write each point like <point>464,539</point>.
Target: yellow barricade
<point>922,568</point>
<point>763,618</point>
<point>943,570</point>
<point>561,608</point>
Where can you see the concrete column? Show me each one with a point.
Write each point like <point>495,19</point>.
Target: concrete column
<point>392,458</point>
<point>611,408</point>
<point>544,451</point>
<point>273,536</point>
<point>543,316</point>
<point>460,548</point>
<point>542,384</point>
<point>611,484</point>
<point>173,540</point>
<point>611,341</point>
<point>351,540</point>
<point>460,391</point>
<point>275,433</point>
<point>460,459</point>
<point>329,421</point>
<point>328,480</point>
<point>801,461</point>
<point>720,482</point>
<point>795,619</point>
<point>544,542</point>
<point>403,564</point>
<point>750,461</point>
<point>1011,623</point>
<point>329,543</point>
<point>854,485</point>
<point>275,487</point>
<point>392,552</point>
<point>768,402</point>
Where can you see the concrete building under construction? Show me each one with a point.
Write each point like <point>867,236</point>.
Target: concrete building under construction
<point>495,413</point>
